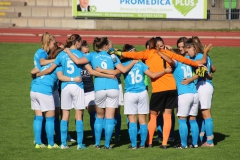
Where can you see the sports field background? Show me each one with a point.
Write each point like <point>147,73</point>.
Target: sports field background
<point>16,116</point>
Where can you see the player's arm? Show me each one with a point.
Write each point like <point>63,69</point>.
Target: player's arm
<point>34,71</point>
<point>48,70</point>
<point>186,81</point>
<point>63,78</point>
<point>155,75</point>
<point>108,71</point>
<point>74,58</point>
<point>205,52</point>
<point>213,69</point>
<point>96,73</point>
<point>209,75</point>
<point>136,55</point>
<point>125,69</point>
<point>179,58</point>
<point>44,62</point>
<point>166,58</point>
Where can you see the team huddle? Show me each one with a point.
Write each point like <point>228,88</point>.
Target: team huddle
<point>70,77</point>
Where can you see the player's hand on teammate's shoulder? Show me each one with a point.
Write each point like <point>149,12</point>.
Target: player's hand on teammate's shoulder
<point>168,70</point>
<point>66,50</point>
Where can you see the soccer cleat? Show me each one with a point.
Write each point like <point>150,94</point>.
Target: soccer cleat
<point>206,144</point>
<point>64,147</point>
<point>97,146</point>
<point>180,146</point>
<point>54,146</point>
<point>107,147</point>
<point>133,148</point>
<point>163,147</point>
<point>193,146</point>
<point>142,147</point>
<point>70,139</point>
<point>40,146</point>
<point>81,147</point>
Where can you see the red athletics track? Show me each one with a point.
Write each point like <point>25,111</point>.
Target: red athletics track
<point>27,35</point>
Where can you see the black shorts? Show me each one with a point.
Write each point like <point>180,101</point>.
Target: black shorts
<point>164,100</point>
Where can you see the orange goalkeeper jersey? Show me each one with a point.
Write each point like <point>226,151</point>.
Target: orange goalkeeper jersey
<point>156,64</point>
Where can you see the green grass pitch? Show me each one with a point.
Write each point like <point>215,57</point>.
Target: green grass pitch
<point>16,116</point>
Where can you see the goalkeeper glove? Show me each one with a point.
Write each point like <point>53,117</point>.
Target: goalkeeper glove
<point>111,50</point>
<point>201,71</point>
<point>118,53</point>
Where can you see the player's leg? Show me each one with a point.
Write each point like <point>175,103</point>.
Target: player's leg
<point>156,103</point>
<point>184,103</point>
<point>171,102</point>
<point>130,109</point>
<point>117,116</point>
<point>111,105</point>
<point>57,114</point>
<point>79,106</point>
<point>132,131</point>
<point>38,118</point>
<point>192,120</point>
<point>205,92</point>
<point>79,128</point>
<point>47,106</point>
<point>143,110</point>
<point>100,101</point>
<point>66,106</point>
<point>89,98</point>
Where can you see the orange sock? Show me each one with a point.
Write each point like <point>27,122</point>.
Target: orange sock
<point>152,124</point>
<point>167,121</point>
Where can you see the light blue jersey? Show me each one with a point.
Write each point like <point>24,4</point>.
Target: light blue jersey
<point>208,64</point>
<point>181,72</point>
<point>40,54</point>
<point>69,68</point>
<point>134,78</point>
<point>103,60</point>
<point>45,84</point>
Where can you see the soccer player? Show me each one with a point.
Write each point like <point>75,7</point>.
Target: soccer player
<point>160,122</point>
<point>106,89</point>
<point>117,116</point>
<point>72,93</point>
<point>187,100</point>
<point>164,93</point>
<point>40,59</point>
<point>42,102</point>
<point>89,94</point>
<point>205,90</point>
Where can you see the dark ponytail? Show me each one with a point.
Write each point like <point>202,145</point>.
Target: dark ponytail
<point>99,43</point>
<point>72,40</point>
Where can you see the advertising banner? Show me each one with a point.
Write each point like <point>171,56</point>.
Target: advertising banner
<point>167,9</point>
